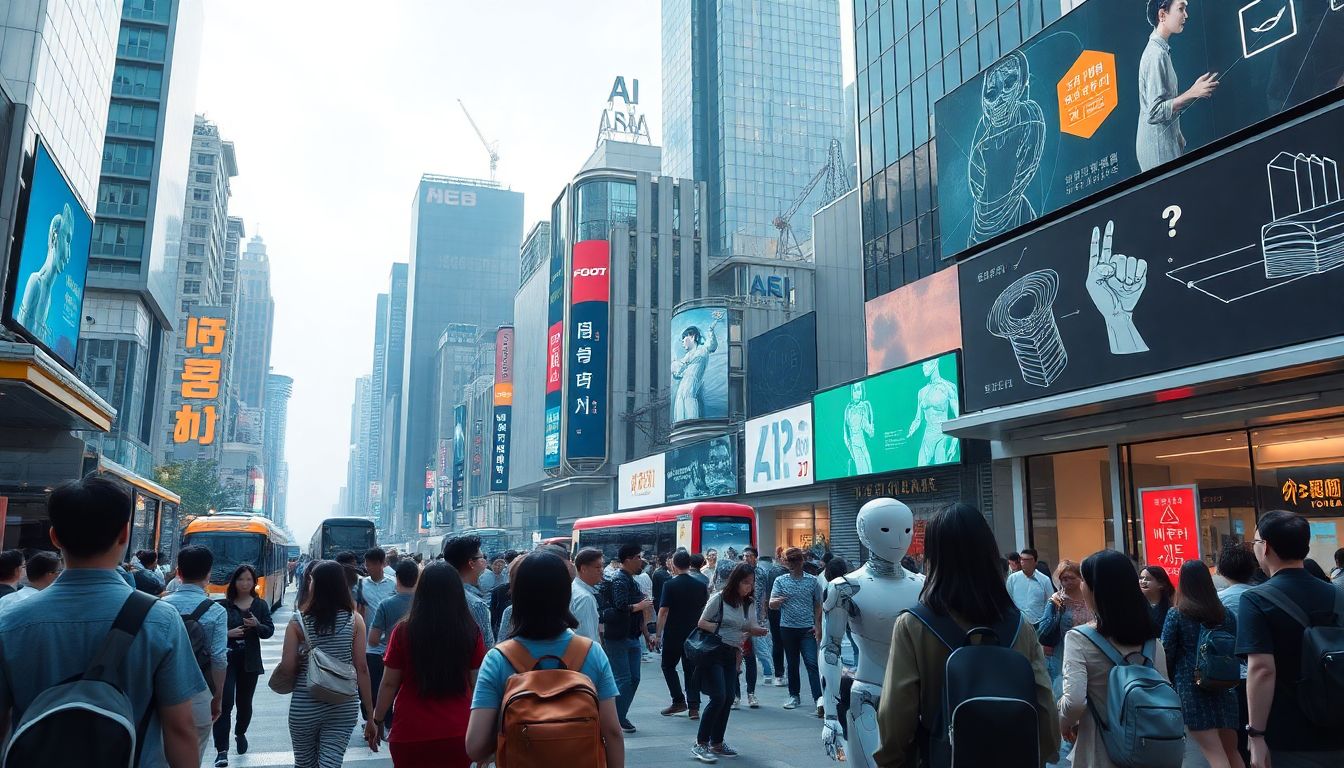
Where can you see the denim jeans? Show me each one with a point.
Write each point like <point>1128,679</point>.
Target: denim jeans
<point>719,681</point>
<point>801,642</point>
<point>624,656</point>
<point>764,652</point>
<point>776,643</point>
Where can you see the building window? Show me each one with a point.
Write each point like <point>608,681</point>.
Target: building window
<point>205,177</point>
<point>138,120</point>
<point>196,249</point>
<point>200,231</point>
<point>191,287</point>
<point>147,10</point>
<point>114,239</point>
<point>122,198</point>
<point>124,159</point>
<point>137,80</point>
<point>193,267</point>
<point>142,43</point>
<point>201,195</point>
<point>1069,495</point>
<point>200,213</point>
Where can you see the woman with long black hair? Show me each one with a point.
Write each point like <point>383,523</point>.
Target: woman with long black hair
<point>249,624</point>
<point>731,615</point>
<point>1158,589</point>
<point>430,669</point>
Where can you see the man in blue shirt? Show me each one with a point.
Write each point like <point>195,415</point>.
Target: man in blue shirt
<point>193,569</point>
<point>464,554</point>
<point>53,636</point>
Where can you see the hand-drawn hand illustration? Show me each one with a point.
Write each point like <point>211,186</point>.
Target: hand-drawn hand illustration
<point>1116,282</point>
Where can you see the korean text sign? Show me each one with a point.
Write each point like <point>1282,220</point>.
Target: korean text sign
<point>555,365</point>
<point>1170,518</point>
<point>197,420</point>
<point>586,382</point>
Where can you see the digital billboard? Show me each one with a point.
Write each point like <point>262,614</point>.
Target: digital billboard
<point>555,345</point>
<point>642,482</point>
<point>1116,292</point>
<point>503,410</point>
<point>459,456</point>
<point>586,385</point>
<point>46,297</point>
<point>699,364</point>
<point>888,422</point>
<point>703,470</point>
<point>782,366</point>
<point>914,322</point>
<point>779,450</point>
<point>1106,93</point>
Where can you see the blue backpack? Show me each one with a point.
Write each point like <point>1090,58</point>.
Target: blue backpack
<point>1144,726</point>
<point>1217,667</point>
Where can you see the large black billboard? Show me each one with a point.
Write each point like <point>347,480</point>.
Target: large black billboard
<point>1102,95</point>
<point>782,366</point>
<point>1239,253</point>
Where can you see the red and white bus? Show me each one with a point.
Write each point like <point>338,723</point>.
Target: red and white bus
<point>693,527</point>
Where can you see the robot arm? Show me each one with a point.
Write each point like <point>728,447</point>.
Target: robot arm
<point>836,607</point>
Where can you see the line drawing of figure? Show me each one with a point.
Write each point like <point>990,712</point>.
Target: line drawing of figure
<point>35,307</point>
<point>859,427</point>
<point>1159,139</point>
<point>689,370</point>
<point>1006,149</point>
<point>936,403</point>
<point>1024,314</point>
<point>1115,283</point>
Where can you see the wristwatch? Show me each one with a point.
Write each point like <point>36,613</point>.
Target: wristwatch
<point>1253,733</point>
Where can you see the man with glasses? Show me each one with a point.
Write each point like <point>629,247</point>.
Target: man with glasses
<point>464,554</point>
<point>797,595</point>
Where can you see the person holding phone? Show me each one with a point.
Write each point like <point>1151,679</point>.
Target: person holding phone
<point>249,623</point>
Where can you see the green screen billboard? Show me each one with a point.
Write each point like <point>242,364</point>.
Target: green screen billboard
<point>888,422</point>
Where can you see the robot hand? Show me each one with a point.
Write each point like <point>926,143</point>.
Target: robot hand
<point>833,739</point>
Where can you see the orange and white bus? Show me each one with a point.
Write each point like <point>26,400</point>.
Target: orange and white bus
<point>237,539</point>
<point>693,527</point>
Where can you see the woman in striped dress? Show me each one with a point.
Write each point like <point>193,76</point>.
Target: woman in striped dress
<point>321,731</point>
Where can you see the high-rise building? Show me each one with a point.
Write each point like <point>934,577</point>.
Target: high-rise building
<point>254,324</point>
<point>391,328</point>
<point>234,233</point>
<point>204,290</point>
<point>465,235</point>
<point>374,460</point>
<point>130,306</point>
<point>751,103</point>
<point>279,388</point>
<point>357,470</point>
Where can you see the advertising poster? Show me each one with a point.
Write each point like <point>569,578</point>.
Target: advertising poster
<point>503,410</point>
<point>48,294</point>
<point>779,450</point>
<point>589,295</point>
<point>1123,289</point>
<point>782,366</point>
<point>1170,527</point>
<point>641,483</point>
<point>1102,95</point>
<point>914,322</point>
<point>459,456</point>
<point>196,420</point>
<point>703,470</point>
<point>1313,489</point>
<point>888,422</point>
<point>699,364</point>
<point>555,365</point>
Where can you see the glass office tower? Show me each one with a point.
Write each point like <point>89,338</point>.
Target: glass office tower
<point>752,97</point>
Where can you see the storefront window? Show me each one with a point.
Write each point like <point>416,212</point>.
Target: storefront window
<point>1071,508</point>
<point>1301,468</point>
<point>805,526</point>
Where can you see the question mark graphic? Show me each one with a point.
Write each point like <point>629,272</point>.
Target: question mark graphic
<point>1172,212</point>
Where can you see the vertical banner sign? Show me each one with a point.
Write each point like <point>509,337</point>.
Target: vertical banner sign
<point>503,409</point>
<point>459,456</point>
<point>555,367</point>
<point>427,516</point>
<point>197,420</point>
<point>586,404</point>
<point>1170,526</point>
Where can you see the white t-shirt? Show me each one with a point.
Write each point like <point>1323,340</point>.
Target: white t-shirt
<point>1030,593</point>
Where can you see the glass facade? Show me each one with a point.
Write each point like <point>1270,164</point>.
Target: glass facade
<point>908,54</point>
<point>752,98</point>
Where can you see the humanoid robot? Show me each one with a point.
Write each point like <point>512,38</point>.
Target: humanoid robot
<point>866,603</point>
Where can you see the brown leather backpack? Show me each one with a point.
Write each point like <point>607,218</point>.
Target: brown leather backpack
<point>549,716</point>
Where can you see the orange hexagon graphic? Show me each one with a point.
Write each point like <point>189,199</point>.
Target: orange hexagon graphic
<point>1088,93</point>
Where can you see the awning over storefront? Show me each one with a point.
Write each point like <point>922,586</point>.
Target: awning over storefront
<point>39,393</point>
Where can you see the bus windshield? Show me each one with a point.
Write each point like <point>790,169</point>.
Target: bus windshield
<point>724,534</point>
<point>231,550</point>
<point>341,538</point>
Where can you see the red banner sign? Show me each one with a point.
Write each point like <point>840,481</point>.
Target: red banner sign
<point>1170,526</point>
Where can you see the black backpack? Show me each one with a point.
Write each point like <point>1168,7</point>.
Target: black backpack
<point>1320,687</point>
<point>615,618</point>
<point>989,697</point>
<point>87,720</point>
<point>146,583</point>
<point>200,642</point>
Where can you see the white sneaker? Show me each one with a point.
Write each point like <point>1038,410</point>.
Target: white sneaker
<point>780,682</point>
<point>792,703</point>
<point>752,701</point>
<point>702,753</point>
<point>737,703</point>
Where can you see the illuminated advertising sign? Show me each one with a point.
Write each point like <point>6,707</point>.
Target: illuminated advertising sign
<point>779,450</point>
<point>197,420</point>
<point>703,470</point>
<point>888,422</point>
<point>555,350</point>
<point>642,482</point>
<point>1100,96</point>
<point>586,390</point>
<point>699,364</point>
<point>503,410</point>
<point>1312,489</point>
<point>46,292</point>
<point>459,456</point>
<point>914,322</point>
<point>1170,527</point>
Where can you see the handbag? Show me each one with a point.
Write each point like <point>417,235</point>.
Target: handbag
<point>1048,628</point>
<point>701,647</point>
<point>329,681</point>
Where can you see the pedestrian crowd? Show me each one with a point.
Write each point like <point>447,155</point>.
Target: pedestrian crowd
<point>471,658</point>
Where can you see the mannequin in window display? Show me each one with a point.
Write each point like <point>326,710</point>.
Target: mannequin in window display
<point>865,603</point>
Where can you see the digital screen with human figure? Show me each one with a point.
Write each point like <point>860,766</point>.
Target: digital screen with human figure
<point>699,364</point>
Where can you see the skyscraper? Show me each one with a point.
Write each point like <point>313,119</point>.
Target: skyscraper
<point>392,331</point>
<point>255,320</point>
<point>465,235</point>
<point>137,233</point>
<point>357,470</point>
<point>278,391</point>
<point>751,102</point>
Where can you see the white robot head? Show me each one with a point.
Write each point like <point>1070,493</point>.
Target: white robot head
<point>886,527</point>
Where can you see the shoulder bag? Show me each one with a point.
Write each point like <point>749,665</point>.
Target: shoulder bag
<point>329,680</point>
<point>701,646</point>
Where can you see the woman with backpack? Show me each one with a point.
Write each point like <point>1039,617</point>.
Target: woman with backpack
<point>430,668</point>
<point>320,719</point>
<point>249,623</point>
<point>541,642</point>
<point>730,615</point>
<point>1123,625</point>
<point>1159,591</point>
<point>964,602</point>
<point>1208,701</point>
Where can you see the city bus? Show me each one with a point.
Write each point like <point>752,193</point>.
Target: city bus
<point>557,541</point>
<point>343,534</point>
<point>493,540</point>
<point>693,527</point>
<point>237,539</point>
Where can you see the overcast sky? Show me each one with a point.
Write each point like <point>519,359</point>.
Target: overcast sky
<point>337,107</point>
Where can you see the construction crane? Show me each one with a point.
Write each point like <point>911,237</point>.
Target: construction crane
<point>491,147</point>
<point>837,184</point>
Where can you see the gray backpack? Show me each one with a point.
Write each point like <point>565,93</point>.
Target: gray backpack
<point>1144,727</point>
<point>110,735</point>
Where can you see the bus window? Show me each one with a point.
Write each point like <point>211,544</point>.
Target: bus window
<point>725,533</point>
<point>231,550</point>
<point>667,538</point>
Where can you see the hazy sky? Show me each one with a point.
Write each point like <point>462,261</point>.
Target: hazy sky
<point>337,107</point>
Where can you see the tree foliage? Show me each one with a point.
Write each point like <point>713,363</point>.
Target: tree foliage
<point>198,483</point>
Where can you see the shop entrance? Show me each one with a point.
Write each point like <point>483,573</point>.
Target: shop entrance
<point>806,526</point>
